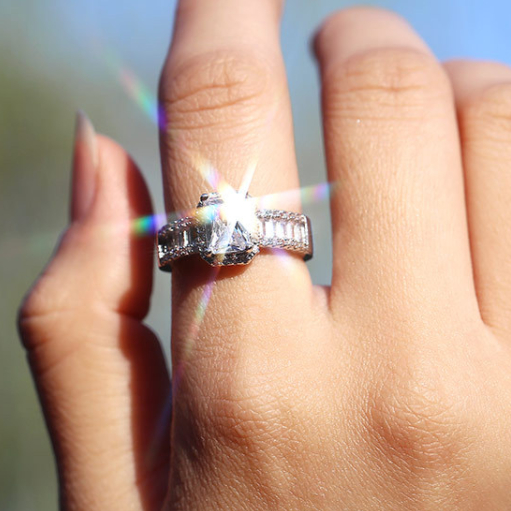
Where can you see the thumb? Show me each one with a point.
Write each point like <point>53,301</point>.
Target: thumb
<point>99,371</point>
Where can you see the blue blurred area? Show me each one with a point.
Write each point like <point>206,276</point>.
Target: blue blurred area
<point>55,57</point>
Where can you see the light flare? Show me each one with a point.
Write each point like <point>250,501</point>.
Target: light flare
<point>132,85</point>
<point>288,199</point>
<point>194,329</point>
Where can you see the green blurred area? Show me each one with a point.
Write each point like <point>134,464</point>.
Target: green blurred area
<point>31,164</point>
<point>40,90</point>
<point>35,137</point>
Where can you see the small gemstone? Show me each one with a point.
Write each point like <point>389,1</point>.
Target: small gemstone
<point>172,238</point>
<point>289,230</point>
<point>184,238</point>
<point>279,229</point>
<point>299,233</point>
<point>269,231</point>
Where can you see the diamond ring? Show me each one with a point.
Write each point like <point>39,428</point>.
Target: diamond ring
<point>228,229</point>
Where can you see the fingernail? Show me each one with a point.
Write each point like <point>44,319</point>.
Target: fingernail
<point>85,163</point>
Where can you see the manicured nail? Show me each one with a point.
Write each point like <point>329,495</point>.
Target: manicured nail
<point>85,162</point>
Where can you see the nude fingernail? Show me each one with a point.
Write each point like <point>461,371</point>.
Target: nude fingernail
<point>85,162</point>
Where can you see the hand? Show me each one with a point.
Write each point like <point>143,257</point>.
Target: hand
<point>391,389</point>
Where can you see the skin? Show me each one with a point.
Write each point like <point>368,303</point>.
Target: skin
<point>389,390</point>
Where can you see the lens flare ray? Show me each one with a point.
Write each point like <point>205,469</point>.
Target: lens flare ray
<point>195,325</point>
<point>288,199</point>
<point>132,84</point>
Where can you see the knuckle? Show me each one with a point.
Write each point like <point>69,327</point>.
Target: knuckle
<point>36,301</point>
<point>416,423</point>
<point>245,417</point>
<point>37,307</point>
<point>215,89</point>
<point>244,424</point>
<point>237,414</point>
<point>385,79</point>
<point>490,111</point>
<point>49,294</point>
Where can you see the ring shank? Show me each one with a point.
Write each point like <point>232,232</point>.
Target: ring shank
<point>275,229</point>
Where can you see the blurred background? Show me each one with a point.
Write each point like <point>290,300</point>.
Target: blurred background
<point>103,57</point>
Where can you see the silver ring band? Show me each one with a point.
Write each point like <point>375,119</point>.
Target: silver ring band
<point>219,246</point>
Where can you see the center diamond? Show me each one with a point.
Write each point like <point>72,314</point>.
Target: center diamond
<point>224,238</point>
<point>225,234</point>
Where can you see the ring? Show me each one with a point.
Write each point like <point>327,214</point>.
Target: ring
<point>228,229</point>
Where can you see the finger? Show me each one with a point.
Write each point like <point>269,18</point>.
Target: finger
<point>482,91</point>
<point>99,371</point>
<point>391,141</point>
<point>226,106</point>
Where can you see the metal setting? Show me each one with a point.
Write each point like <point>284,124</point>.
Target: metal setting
<point>232,233</point>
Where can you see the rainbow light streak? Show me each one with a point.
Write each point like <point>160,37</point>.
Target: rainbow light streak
<point>317,193</point>
<point>139,93</point>
<point>291,199</point>
<point>285,257</point>
<point>247,179</point>
<point>200,312</point>
<point>134,87</point>
<point>209,173</point>
<point>201,309</point>
<point>161,430</point>
<point>212,176</point>
<point>149,225</point>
